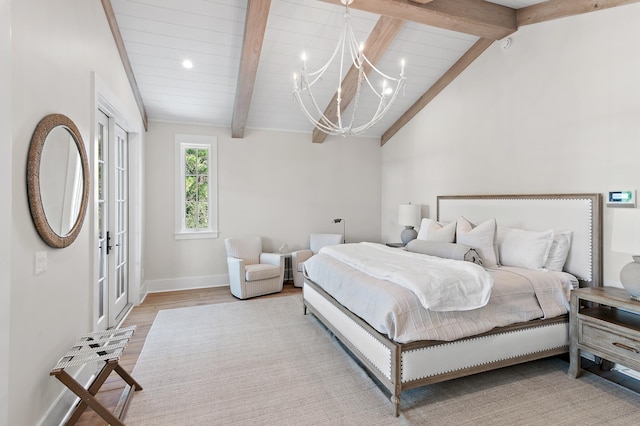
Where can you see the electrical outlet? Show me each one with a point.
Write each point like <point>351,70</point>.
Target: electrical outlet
<point>41,262</point>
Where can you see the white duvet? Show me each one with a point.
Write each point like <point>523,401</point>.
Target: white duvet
<point>518,295</point>
<point>440,284</point>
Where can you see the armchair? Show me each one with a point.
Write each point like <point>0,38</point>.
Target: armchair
<point>316,242</point>
<point>252,272</point>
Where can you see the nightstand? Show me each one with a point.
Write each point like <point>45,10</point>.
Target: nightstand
<point>608,327</point>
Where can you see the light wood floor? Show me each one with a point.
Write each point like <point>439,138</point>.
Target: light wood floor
<point>143,316</point>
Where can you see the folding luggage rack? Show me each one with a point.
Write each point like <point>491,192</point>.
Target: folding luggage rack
<point>104,346</point>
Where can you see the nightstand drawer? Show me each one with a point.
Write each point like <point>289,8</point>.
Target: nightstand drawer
<point>606,340</point>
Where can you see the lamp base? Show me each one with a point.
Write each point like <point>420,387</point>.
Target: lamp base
<point>630,278</point>
<point>408,234</point>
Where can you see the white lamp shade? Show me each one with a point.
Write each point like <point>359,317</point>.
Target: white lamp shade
<point>626,231</point>
<point>409,215</point>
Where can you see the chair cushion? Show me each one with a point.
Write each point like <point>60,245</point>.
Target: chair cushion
<point>300,266</point>
<point>247,248</point>
<point>261,271</point>
<point>317,241</point>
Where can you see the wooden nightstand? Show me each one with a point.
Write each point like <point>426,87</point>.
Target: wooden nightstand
<point>610,329</point>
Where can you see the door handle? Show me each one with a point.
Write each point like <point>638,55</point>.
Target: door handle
<point>108,240</point>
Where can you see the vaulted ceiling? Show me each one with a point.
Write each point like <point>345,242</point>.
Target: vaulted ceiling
<point>244,52</point>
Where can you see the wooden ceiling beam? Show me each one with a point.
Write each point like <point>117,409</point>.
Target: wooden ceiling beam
<point>376,45</point>
<point>124,57</point>
<point>554,9</point>
<point>255,26</point>
<point>476,17</point>
<point>451,74</point>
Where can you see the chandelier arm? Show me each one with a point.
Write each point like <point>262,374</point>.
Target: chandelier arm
<point>302,105</point>
<point>354,49</point>
<point>327,126</point>
<point>364,66</point>
<point>323,118</point>
<point>339,93</point>
<point>373,67</point>
<point>356,97</point>
<point>344,42</point>
<point>383,107</point>
<point>373,89</point>
<point>376,117</point>
<point>307,86</point>
<point>322,69</point>
<point>333,131</point>
<point>321,126</point>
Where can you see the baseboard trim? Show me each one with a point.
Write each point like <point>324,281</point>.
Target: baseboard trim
<point>186,283</point>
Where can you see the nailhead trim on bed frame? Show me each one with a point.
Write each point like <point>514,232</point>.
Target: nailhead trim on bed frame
<point>388,360</point>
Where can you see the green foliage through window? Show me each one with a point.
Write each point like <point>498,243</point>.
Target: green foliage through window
<point>196,180</point>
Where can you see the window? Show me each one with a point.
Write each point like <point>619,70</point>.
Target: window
<point>196,187</point>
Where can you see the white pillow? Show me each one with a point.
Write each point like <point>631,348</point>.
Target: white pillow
<point>559,251</point>
<point>430,230</point>
<point>480,237</point>
<point>522,248</point>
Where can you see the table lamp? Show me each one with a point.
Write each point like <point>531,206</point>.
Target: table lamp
<point>409,217</point>
<point>626,239</point>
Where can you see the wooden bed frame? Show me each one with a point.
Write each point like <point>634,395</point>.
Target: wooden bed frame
<point>401,366</point>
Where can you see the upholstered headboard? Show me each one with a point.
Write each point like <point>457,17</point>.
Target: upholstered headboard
<point>580,213</point>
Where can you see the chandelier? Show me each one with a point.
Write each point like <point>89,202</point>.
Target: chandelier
<point>347,51</point>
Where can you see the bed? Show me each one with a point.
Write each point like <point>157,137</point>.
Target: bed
<point>399,360</point>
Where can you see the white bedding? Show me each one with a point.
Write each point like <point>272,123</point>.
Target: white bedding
<point>518,295</point>
<point>440,284</point>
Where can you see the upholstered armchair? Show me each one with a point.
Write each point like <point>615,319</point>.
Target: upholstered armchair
<point>316,242</point>
<point>252,272</point>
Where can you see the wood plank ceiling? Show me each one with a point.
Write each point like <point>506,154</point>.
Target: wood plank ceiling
<point>244,53</point>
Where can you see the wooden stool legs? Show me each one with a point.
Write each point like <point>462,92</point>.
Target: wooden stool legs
<point>87,396</point>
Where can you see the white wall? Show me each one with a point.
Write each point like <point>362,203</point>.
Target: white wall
<point>56,45</point>
<point>5,207</point>
<point>275,184</point>
<point>557,112</point>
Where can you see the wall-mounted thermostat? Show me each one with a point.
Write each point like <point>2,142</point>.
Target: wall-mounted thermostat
<point>621,199</point>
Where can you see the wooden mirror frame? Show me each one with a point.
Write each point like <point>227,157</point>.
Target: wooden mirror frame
<point>44,127</point>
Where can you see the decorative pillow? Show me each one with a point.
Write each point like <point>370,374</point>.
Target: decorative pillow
<point>522,248</point>
<point>446,250</point>
<point>480,237</point>
<point>559,251</point>
<point>430,230</point>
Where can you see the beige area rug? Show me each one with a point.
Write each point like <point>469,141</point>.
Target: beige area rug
<point>262,362</point>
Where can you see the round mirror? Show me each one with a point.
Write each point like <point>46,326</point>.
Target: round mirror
<point>57,180</point>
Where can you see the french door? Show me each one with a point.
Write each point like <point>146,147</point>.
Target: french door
<point>111,180</point>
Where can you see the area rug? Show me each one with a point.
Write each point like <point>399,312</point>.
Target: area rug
<point>262,362</point>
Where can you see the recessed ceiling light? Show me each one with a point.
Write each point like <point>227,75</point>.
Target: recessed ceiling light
<point>187,64</point>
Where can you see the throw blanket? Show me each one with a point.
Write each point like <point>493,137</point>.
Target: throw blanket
<point>553,298</point>
<point>440,284</point>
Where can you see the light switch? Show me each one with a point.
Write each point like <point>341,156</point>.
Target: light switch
<point>41,262</point>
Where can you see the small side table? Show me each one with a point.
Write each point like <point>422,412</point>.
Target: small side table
<point>609,330</point>
<point>288,271</point>
<point>104,346</point>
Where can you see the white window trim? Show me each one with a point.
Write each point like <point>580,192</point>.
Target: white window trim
<point>183,142</point>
